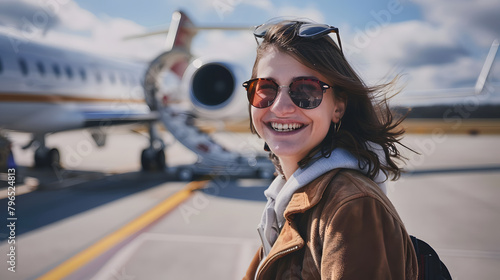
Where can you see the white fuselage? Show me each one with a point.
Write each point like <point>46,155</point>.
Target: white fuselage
<point>46,89</point>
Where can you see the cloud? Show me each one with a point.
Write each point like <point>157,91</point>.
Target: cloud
<point>446,48</point>
<point>410,44</point>
<point>310,12</point>
<point>466,30</point>
<point>436,55</point>
<point>24,14</point>
<point>228,6</point>
<point>478,20</point>
<point>73,17</point>
<point>233,47</point>
<point>65,23</point>
<point>218,9</point>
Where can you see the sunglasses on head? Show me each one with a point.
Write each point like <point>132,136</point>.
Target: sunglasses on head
<point>306,93</point>
<point>305,30</point>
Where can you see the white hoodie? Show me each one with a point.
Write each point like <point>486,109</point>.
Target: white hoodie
<point>280,191</point>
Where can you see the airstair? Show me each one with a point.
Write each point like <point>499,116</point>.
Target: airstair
<point>213,159</point>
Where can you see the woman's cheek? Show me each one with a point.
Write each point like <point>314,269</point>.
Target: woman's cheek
<point>257,120</point>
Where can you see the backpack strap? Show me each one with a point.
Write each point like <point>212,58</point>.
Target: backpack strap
<point>430,267</point>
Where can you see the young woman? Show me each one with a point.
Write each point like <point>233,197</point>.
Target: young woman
<point>334,146</point>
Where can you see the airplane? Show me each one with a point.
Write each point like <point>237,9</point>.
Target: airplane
<point>48,90</point>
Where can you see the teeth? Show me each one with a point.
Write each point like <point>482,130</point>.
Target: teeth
<point>285,127</point>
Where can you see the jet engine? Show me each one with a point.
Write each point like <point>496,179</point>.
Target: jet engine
<point>215,90</point>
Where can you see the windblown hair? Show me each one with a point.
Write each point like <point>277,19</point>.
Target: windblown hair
<point>367,118</point>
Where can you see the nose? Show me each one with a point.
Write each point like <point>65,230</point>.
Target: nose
<point>283,104</point>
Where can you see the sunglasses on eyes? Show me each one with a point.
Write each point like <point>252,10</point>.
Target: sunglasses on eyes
<point>306,30</point>
<point>306,93</point>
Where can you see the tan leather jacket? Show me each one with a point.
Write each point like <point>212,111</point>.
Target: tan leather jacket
<point>340,226</point>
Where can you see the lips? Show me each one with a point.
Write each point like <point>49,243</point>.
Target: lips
<point>285,127</point>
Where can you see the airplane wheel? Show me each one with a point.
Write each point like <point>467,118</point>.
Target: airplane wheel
<point>151,160</point>
<point>146,160</point>
<point>160,160</point>
<point>54,158</point>
<point>47,158</point>
<point>39,158</point>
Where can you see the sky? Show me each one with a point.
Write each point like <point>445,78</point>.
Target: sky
<point>432,44</point>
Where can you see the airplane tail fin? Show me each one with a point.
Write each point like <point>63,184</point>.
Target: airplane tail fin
<point>180,32</point>
<point>177,55</point>
<point>485,72</point>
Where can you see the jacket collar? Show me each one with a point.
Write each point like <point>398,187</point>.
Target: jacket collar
<point>309,195</point>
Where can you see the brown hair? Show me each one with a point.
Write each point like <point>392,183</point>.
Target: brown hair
<point>367,117</point>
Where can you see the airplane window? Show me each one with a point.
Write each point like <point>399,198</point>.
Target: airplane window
<point>98,77</point>
<point>112,78</point>
<point>41,68</point>
<point>24,66</point>
<point>69,72</point>
<point>56,70</point>
<point>83,74</point>
<point>131,79</point>
<point>123,79</point>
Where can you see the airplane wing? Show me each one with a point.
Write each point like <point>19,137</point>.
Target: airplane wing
<point>96,119</point>
<point>459,110</point>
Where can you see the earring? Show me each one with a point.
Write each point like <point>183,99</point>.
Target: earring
<point>337,126</point>
<point>266,147</point>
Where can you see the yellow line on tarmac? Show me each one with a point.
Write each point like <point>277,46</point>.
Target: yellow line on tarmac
<point>84,257</point>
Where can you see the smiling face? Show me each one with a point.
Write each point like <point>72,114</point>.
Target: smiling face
<point>291,132</point>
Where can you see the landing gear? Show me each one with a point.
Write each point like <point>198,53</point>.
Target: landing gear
<point>45,157</point>
<point>153,157</point>
<point>152,160</point>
